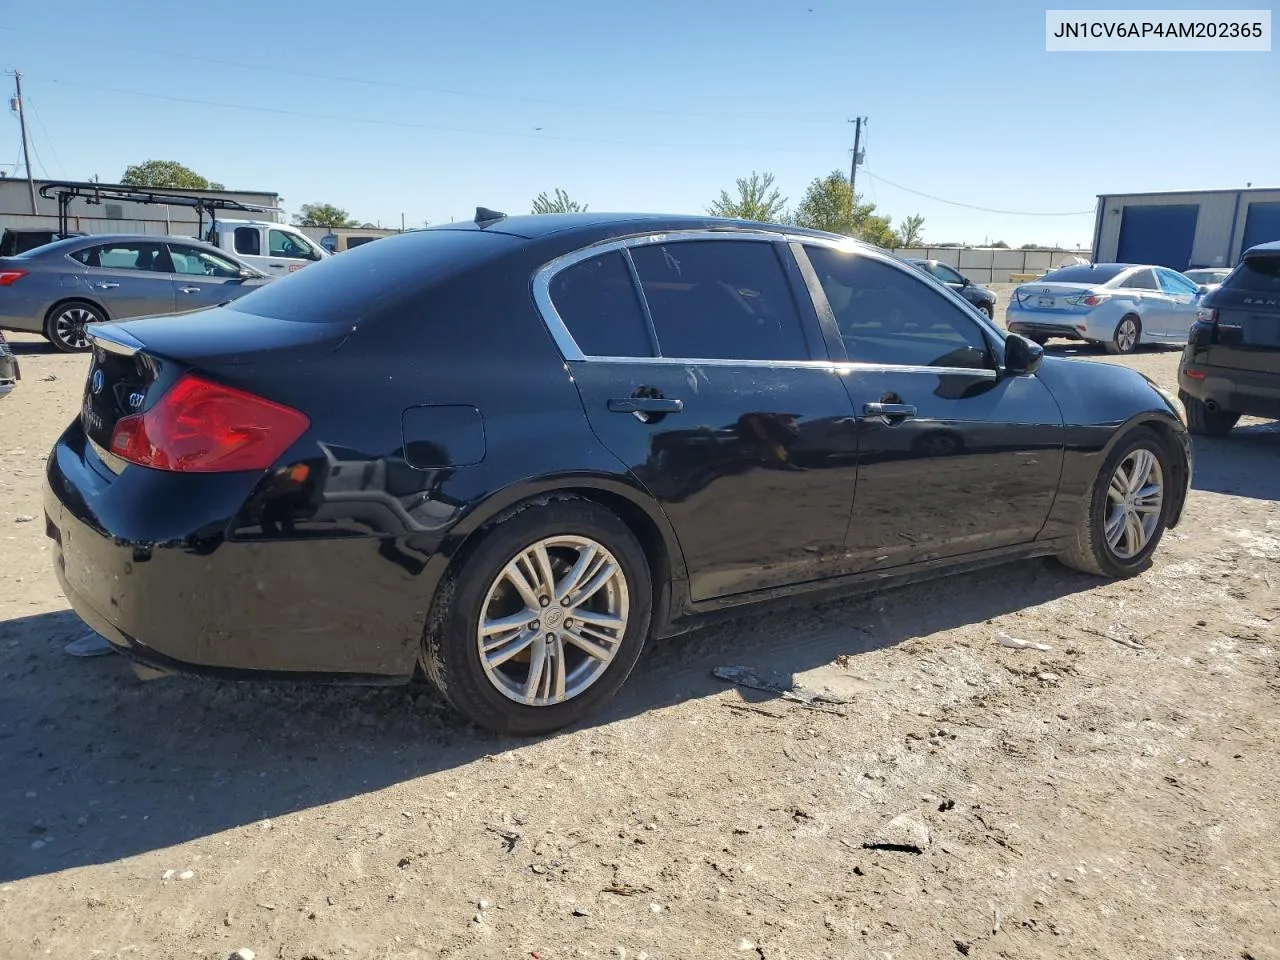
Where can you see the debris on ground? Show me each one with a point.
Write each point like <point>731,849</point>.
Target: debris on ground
<point>1013,643</point>
<point>746,677</point>
<point>23,518</point>
<point>905,833</point>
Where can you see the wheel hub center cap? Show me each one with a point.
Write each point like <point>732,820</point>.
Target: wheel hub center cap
<point>553,618</point>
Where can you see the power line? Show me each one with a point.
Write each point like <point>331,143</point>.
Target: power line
<point>454,92</point>
<point>47,139</point>
<point>970,206</point>
<point>736,148</point>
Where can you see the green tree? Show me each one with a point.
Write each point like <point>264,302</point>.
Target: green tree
<point>757,199</point>
<point>828,204</point>
<point>1030,246</point>
<point>911,231</point>
<point>1000,245</point>
<point>322,215</point>
<point>560,203</point>
<point>166,173</point>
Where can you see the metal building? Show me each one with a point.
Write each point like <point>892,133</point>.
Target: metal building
<point>1184,229</point>
<point>121,217</point>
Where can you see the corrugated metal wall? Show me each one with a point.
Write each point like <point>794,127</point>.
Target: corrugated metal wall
<point>992,264</point>
<point>1219,227</point>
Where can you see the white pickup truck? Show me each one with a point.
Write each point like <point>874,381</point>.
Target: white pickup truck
<point>273,248</point>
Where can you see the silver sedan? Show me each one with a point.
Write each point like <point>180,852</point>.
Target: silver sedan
<point>1116,304</point>
<point>60,288</point>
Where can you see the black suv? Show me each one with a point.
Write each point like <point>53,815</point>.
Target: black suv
<point>1231,366</point>
<point>975,293</point>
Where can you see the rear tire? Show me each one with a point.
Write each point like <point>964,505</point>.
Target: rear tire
<point>65,325</point>
<point>1124,518</point>
<point>1127,336</point>
<point>535,641</point>
<point>1205,422</point>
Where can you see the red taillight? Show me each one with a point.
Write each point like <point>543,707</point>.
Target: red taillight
<point>1194,374</point>
<point>9,277</point>
<point>199,426</point>
<point>1091,300</point>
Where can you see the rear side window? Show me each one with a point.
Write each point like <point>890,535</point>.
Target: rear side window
<point>597,301</point>
<point>1257,275</point>
<point>1142,280</point>
<point>372,278</point>
<point>720,300</point>
<point>248,241</point>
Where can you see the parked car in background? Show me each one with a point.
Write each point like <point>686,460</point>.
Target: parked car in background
<point>62,287</point>
<point>1231,366</point>
<point>18,240</point>
<point>272,248</point>
<point>975,293</point>
<point>401,457</point>
<point>9,372</point>
<point>1207,277</point>
<point>1117,304</point>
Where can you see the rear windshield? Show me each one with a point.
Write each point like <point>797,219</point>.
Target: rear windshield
<point>350,286</point>
<point>1256,274</point>
<point>1079,273</point>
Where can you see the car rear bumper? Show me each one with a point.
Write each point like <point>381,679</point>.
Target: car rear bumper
<point>197,602</point>
<point>1248,392</point>
<point>1037,328</point>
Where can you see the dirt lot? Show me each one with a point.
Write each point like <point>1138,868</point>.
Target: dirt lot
<point>1112,797</point>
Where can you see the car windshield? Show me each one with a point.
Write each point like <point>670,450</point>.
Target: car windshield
<point>1257,274</point>
<point>1081,273</point>
<point>1205,276</point>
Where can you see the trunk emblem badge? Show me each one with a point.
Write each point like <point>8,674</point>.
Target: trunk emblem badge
<point>95,381</point>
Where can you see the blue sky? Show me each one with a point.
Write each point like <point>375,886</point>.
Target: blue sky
<point>653,105</point>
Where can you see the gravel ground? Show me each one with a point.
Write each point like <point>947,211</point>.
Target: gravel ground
<point>1112,796</point>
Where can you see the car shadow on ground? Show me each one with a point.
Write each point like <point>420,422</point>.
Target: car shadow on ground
<point>1243,463</point>
<point>99,766</point>
<point>23,348</point>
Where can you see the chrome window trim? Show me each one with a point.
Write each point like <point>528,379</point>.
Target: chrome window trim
<point>569,348</point>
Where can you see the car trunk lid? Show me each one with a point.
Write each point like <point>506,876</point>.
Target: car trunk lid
<point>1064,297</point>
<point>1246,317</point>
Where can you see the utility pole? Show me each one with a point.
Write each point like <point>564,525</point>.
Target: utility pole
<point>26,149</point>
<point>857,159</point>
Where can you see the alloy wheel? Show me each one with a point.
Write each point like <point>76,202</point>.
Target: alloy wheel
<point>1127,335</point>
<point>1135,497</point>
<point>553,620</point>
<point>69,327</point>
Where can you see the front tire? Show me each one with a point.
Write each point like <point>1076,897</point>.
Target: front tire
<point>1205,422</point>
<point>1127,509</point>
<point>65,325</point>
<point>543,621</point>
<point>1127,336</point>
<point>988,310</point>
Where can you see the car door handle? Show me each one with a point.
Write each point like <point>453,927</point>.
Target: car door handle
<point>645,405</point>
<point>889,412</point>
<point>106,286</point>
<point>188,289</point>
<point>276,266</point>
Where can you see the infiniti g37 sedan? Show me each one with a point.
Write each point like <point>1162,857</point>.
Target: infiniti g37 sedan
<point>1116,304</point>
<point>507,452</point>
<point>60,288</point>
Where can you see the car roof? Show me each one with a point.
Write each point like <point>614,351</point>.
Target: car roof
<point>600,225</point>
<point>1272,246</point>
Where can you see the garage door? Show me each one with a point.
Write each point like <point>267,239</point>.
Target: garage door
<point>1162,235</point>
<point>1261,225</point>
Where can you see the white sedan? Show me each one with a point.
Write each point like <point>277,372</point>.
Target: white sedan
<point>1116,304</point>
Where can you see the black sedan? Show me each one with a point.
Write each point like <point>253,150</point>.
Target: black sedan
<point>975,293</point>
<point>507,452</point>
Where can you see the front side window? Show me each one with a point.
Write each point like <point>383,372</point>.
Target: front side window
<point>248,241</point>
<point>597,302</point>
<point>201,263</point>
<point>1175,284</point>
<point>1142,280</point>
<point>282,244</point>
<point>887,315</point>
<point>124,256</point>
<point>720,300</point>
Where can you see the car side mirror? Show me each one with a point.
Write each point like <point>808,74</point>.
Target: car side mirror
<point>966,282</point>
<point>1202,289</point>
<point>1021,356</point>
<point>247,274</point>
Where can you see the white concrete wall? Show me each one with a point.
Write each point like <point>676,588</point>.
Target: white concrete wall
<point>993,264</point>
